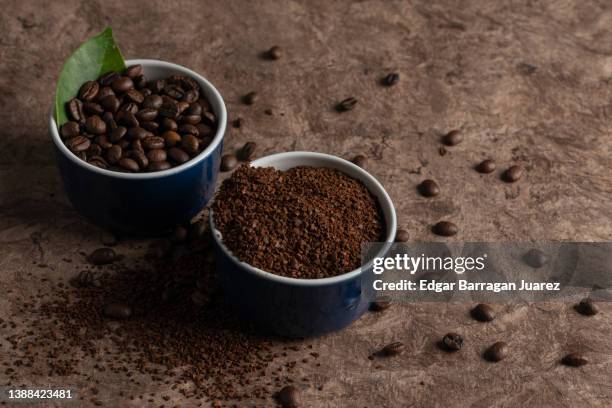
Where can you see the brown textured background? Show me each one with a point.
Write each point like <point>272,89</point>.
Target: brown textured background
<point>528,82</point>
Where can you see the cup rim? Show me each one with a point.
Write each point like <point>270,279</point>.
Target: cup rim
<point>382,197</point>
<point>211,92</point>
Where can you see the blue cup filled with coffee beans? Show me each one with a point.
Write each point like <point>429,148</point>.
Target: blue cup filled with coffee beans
<point>288,231</point>
<point>141,149</point>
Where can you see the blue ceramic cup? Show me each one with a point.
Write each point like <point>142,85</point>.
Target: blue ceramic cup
<point>302,307</point>
<point>144,203</point>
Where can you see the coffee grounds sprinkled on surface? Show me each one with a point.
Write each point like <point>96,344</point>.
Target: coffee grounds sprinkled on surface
<point>307,222</point>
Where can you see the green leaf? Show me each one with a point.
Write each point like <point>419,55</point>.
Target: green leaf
<point>96,56</point>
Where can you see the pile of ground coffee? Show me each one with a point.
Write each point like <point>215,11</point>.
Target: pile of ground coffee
<point>306,222</point>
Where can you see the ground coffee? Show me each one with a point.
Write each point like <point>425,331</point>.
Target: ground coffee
<point>304,223</point>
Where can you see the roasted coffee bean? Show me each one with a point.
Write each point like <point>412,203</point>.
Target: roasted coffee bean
<point>157,86</point>
<point>250,98</point>
<point>127,118</point>
<point>497,352</point>
<point>95,125</point>
<point>486,166</point>
<point>78,143</point>
<point>182,107</point>
<point>89,90</point>
<point>94,150</point>
<point>429,188</point>
<point>108,78</point>
<point>359,160</point>
<point>98,161</point>
<point>274,53</point>
<point>178,155</point>
<point>174,91</point>
<point>103,142</point>
<point>146,114</point>
<point>169,124</point>
<point>205,105</point>
<point>157,155</point>
<point>113,155</point>
<point>483,313</point>
<point>169,109</point>
<point>158,165</point>
<point>104,92</point>
<point>191,96</point>
<point>93,108</point>
<point>392,349</point>
<point>129,107</point>
<point>248,151</point>
<point>137,145</point>
<point>137,133</point>
<point>75,110</point>
<point>402,235</point>
<point>140,82</point>
<point>171,138</point>
<point>380,304</point>
<point>452,138</point>
<point>134,71</point>
<point>587,307</point>
<point>238,122</point>
<point>391,79</point>
<point>110,103</point>
<point>452,342</point>
<point>69,129</point>
<point>228,162</point>
<point>512,174</point>
<point>187,128</point>
<point>288,397</point>
<point>152,127</point>
<point>152,102</point>
<point>139,157</point>
<point>190,144</point>
<point>445,229</point>
<point>194,109</point>
<point>204,130</point>
<point>119,311</point>
<point>134,96</point>
<point>102,256</point>
<point>574,360</point>
<point>535,258</point>
<point>153,142</point>
<point>117,134</point>
<point>346,105</point>
<point>128,164</point>
<point>122,84</point>
<point>209,118</point>
<point>191,119</point>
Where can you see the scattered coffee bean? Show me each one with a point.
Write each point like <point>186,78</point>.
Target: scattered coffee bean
<point>574,360</point>
<point>248,151</point>
<point>497,352</point>
<point>535,258</point>
<point>392,349</point>
<point>346,105</point>
<point>238,122</point>
<point>119,311</point>
<point>102,256</point>
<point>402,235</point>
<point>288,397</point>
<point>391,79</point>
<point>429,188</point>
<point>359,160</point>
<point>483,313</point>
<point>452,342</point>
<point>380,304</point>
<point>445,229</point>
<point>250,98</point>
<point>486,166</point>
<point>228,162</point>
<point>587,307</point>
<point>452,138</point>
<point>512,174</point>
<point>274,53</point>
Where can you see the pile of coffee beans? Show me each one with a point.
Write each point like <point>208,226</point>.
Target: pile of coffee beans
<point>124,122</point>
<point>306,222</point>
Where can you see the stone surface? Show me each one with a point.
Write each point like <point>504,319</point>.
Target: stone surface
<point>528,83</point>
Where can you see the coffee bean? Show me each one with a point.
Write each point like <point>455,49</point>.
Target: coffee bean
<point>445,229</point>
<point>134,71</point>
<point>110,103</point>
<point>486,166</point>
<point>512,174</point>
<point>289,397</point>
<point>452,138</point>
<point>587,307</point>
<point>117,134</point>
<point>442,151</point>
<point>391,79</point>
<point>129,107</point>
<point>152,102</point>
<point>134,96</point>
<point>137,145</point>
<point>114,154</point>
<point>140,158</point>
<point>158,165</point>
<point>89,90</point>
<point>535,258</point>
<point>119,311</point>
<point>238,122</point>
<point>85,279</point>
<point>191,96</point>
<point>104,92</point>
<point>392,349</point>
<point>128,164</point>
<point>157,86</point>
<point>98,161</point>
<point>452,342</point>
<point>250,98</point>
<point>429,188</point>
<point>483,313</point>
<point>497,352</point>
<point>247,151</point>
<point>178,155</point>
<point>157,155</point>
<point>127,118</point>
<point>102,256</point>
<point>190,144</point>
<point>228,162</point>
<point>153,142</point>
<point>122,84</point>
<point>140,82</point>
<point>187,128</point>
<point>402,235</point>
<point>152,127</point>
<point>169,124</point>
<point>359,160</point>
<point>191,119</point>
<point>274,53</point>
<point>95,125</point>
<point>78,143</point>
<point>92,108</point>
<point>94,150</point>
<point>174,91</point>
<point>171,138</point>
<point>210,119</point>
<point>346,105</point>
<point>108,78</point>
<point>102,141</point>
<point>380,304</point>
<point>69,129</point>
<point>194,109</point>
<point>204,130</point>
<point>574,360</point>
<point>169,109</point>
<point>75,110</point>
